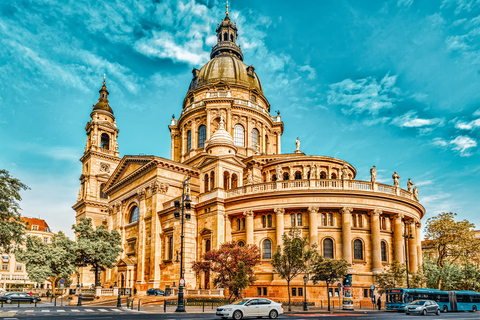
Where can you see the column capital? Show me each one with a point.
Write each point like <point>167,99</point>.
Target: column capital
<point>376,212</point>
<point>313,209</point>
<point>279,211</point>
<point>346,210</point>
<point>399,216</point>
<point>418,225</point>
<point>141,195</point>
<point>248,213</point>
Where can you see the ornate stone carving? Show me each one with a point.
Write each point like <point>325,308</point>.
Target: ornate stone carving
<point>313,209</point>
<point>373,174</point>
<point>279,211</point>
<point>248,213</point>
<point>163,188</point>
<point>141,195</point>
<point>313,171</point>
<point>279,173</point>
<point>110,209</point>
<point>305,172</point>
<point>409,185</point>
<point>257,149</point>
<point>396,179</point>
<point>415,193</point>
<point>346,210</point>
<point>249,176</point>
<point>154,187</point>
<point>344,172</point>
<point>376,212</point>
<point>297,145</point>
<point>104,167</point>
<point>117,206</point>
<point>399,216</point>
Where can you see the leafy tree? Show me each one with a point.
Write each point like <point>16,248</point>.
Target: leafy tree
<point>225,264</point>
<point>394,277</point>
<point>417,279</point>
<point>449,277</point>
<point>11,226</point>
<point>293,258</point>
<point>330,271</point>
<point>48,261</point>
<point>471,277</point>
<point>240,281</point>
<point>97,247</point>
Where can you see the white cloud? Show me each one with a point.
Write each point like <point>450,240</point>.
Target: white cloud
<point>468,125</point>
<point>476,113</point>
<point>364,95</point>
<point>410,120</point>
<point>463,144</point>
<point>440,142</point>
<point>373,122</point>
<point>312,74</point>
<point>404,3</point>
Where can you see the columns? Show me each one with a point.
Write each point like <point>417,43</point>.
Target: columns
<point>376,247</point>
<point>347,233</point>
<point>412,249</point>
<point>279,221</point>
<point>398,248</point>
<point>249,226</point>
<point>313,225</point>
<point>419,243</point>
<point>172,147</point>
<point>279,143</point>
<point>141,238</point>
<point>228,228</point>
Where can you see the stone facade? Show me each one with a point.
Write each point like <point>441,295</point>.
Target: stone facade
<point>243,189</point>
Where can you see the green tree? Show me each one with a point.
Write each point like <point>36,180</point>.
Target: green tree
<point>293,258</point>
<point>48,261</point>
<point>240,281</point>
<point>224,263</point>
<point>96,247</point>
<point>330,271</point>
<point>394,277</point>
<point>11,226</point>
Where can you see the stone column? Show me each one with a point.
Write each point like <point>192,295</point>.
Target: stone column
<point>313,225</point>
<point>376,247</point>
<point>228,228</point>
<point>249,226</point>
<point>208,124</point>
<point>279,221</point>
<point>279,143</point>
<point>141,239</point>
<point>155,243</point>
<point>347,233</point>
<point>419,243</point>
<point>412,249</point>
<point>172,150</point>
<point>398,248</point>
<point>183,144</point>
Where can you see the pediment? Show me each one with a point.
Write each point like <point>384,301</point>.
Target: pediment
<point>127,166</point>
<point>125,262</point>
<point>205,231</point>
<point>229,159</point>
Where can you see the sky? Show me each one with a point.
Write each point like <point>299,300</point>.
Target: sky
<point>388,83</point>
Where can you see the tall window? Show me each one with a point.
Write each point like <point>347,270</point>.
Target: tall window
<point>170,248</point>
<point>384,251</point>
<point>239,224</point>
<point>299,219</point>
<point>202,136</point>
<point>293,219</point>
<point>105,141</point>
<point>330,219</point>
<point>334,175</point>
<point>206,182</point>
<point>226,180</point>
<point>267,249</point>
<point>264,221</point>
<point>243,223</point>
<point>207,245</point>
<point>255,138</point>
<point>212,180</point>
<point>102,194</point>
<point>269,220</point>
<point>328,248</point>
<point>189,140</point>
<point>298,175</point>
<point>239,135</point>
<point>286,176</point>
<point>134,215</point>
<point>323,220</point>
<point>357,249</point>
<point>323,175</point>
<point>234,181</point>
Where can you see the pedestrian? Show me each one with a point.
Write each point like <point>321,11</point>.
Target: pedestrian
<point>379,303</point>
<point>48,293</point>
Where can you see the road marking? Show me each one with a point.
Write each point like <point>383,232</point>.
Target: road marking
<point>60,310</point>
<point>75,310</point>
<point>103,310</point>
<point>89,310</point>
<point>45,310</point>
<point>29,311</point>
<point>117,310</point>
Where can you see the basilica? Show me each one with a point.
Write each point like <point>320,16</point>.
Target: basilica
<point>242,187</point>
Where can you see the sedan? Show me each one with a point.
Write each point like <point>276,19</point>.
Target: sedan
<point>423,307</point>
<point>19,297</point>
<point>250,307</point>
<point>155,292</point>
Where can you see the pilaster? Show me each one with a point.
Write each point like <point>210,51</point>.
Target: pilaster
<point>279,221</point>
<point>313,225</point>
<point>347,233</point>
<point>249,226</point>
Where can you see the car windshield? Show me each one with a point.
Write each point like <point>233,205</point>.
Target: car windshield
<point>240,302</point>
<point>418,302</point>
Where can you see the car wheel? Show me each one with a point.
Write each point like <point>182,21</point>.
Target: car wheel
<point>474,309</point>
<point>156,293</point>
<point>438,312</point>
<point>445,309</point>
<point>237,315</point>
<point>424,312</point>
<point>407,313</point>
<point>273,314</point>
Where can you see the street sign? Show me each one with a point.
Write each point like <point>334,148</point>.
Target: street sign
<point>182,282</point>
<point>61,285</point>
<point>372,287</point>
<point>61,281</point>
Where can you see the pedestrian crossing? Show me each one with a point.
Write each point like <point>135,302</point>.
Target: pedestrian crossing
<point>11,312</point>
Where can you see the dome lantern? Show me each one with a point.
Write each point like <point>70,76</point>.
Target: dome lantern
<point>226,39</point>
<point>103,104</point>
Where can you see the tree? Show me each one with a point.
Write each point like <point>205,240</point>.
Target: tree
<point>330,271</point>
<point>97,247</point>
<point>240,281</point>
<point>293,258</point>
<point>11,226</point>
<point>225,263</point>
<point>48,261</point>
<point>394,277</point>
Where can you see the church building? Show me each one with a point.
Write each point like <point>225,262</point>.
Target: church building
<point>242,187</point>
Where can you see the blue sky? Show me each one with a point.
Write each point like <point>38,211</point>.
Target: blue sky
<point>388,83</point>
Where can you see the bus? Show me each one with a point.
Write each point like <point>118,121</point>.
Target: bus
<point>398,299</point>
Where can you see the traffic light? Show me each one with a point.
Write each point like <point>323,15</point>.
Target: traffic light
<point>347,282</point>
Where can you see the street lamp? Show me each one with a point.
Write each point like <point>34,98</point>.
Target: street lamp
<point>305,279</point>
<point>78,279</point>
<point>183,204</point>
<point>405,237</point>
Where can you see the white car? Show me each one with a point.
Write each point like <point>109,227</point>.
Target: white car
<point>250,307</point>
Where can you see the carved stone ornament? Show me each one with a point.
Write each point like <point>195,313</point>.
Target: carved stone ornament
<point>346,210</point>
<point>279,211</point>
<point>110,209</point>
<point>409,185</point>
<point>396,179</point>
<point>376,212</point>
<point>117,206</point>
<point>415,193</point>
<point>248,213</point>
<point>279,173</point>
<point>154,187</point>
<point>313,209</point>
<point>373,174</point>
<point>141,195</point>
<point>163,188</point>
<point>104,167</point>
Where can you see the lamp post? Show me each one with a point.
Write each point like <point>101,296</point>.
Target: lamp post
<point>183,204</point>
<point>405,237</point>
<point>305,279</point>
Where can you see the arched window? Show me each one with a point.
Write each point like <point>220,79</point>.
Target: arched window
<point>293,219</point>
<point>298,175</point>
<point>384,251</point>
<point>189,140</point>
<point>355,221</point>
<point>357,249</point>
<point>255,138</point>
<point>264,221</point>
<point>384,223</point>
<point>202,136</point>
<point>253,98</point>
<point>231,37</point>
<point>225,37</point>
<point>243,223</point>
<point>239,135</point>
<point>330,219</point>
<point>226,180</point>
<point>102,194</point>
<point>212,180</point>
<point>274,177</point>
<point>207,245</point>
<point>269,221</point>
<point>192,99</point>
<point>134,215</point>
<point>334,175</point>
<point>266,143</point>
<point>234,181</point>
<point>323,219</point>
<point>323,175</point>
<point>267,249</point>
<point>360,220</point>
<point>241,244</point>
<point>328,248</point>
<point>105,141</point>
<point>299,219</point>
<point>206,182</point>
<point>170,247</point>
<point>286,176</point>
<point>239,224</point>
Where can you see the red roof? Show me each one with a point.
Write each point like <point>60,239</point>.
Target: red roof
<point>42,225</point>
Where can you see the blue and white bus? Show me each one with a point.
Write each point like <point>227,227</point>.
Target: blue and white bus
<point>398,299</point>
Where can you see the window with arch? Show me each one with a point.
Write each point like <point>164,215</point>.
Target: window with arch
<point>383,223</point>
<point>357,249</point>
<point>205,181</point>
<point>225,37</point>
<point>384,251</point>
<point>103,195</point>
<point>255,138</point>
<point>323,175</point>
<point>334,175</point>
<point>192,99</point>
<point>328,248</point>
<point>267,249</point>
<point>170,248</point>
<point>286,176</point>
<point>105,141</point>
<point>243,223</point>
<point>241,244</point>
<point>234,181</point>
<point>330,219</point>
<point>264,221</point>
<point>202,136</point>
<point>298,175</point>
<point>253,98</point>
<point>269,221</point>
<point>231,37</point>
<point>299,219</point>
<point>355,221</point>
<point>189,140</point>
<point>134,215</point>
<point>239,135</point>
<point>292,216</point>
<point>239,224</point>
<point>324,223</point>
<point>212,180</point>
<point>207,245</point>
<point>266,143</point>
<point>274,177</point>
<point>226,180</point>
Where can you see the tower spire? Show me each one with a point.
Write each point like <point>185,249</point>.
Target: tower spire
<point>226,12</point>
<point>226,39</point>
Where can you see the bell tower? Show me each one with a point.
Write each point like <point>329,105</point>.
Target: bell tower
<point>98,161</point>
<point>227,34</point>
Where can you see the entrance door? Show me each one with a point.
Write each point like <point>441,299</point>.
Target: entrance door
<point>207,280</point>
<point>122,281</point>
